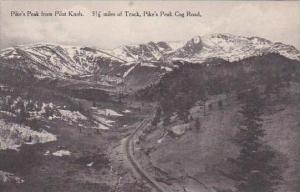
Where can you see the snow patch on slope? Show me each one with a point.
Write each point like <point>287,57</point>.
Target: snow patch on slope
<point>12,136</point>
<point>72,116</point>
<point>128,71</point>
<point>6,177</point>
<point>61,153</point>
<point>147,65</point>
<point>176,44</point>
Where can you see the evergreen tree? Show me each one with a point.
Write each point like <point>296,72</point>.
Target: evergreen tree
<point>183,102</point>
<point>166,120</point>
<point>255,171</point>
<point>167,106</point>
<point>21,112</point>
<point>157,117</point>
<point>197,124</point>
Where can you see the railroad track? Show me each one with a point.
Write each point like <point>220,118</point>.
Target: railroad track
<point>137,167</point>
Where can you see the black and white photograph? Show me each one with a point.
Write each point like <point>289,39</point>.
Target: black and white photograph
<point>149,96</point>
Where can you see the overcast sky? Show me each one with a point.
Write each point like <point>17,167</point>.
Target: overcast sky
<point>276,21</point>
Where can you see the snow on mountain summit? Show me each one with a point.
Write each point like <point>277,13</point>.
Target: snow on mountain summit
<point>196,39</point>
<point>200,48</point>
<point>232,48</point>
<point>61,61</point>
<point>143,52</point>
<point>56,60</point>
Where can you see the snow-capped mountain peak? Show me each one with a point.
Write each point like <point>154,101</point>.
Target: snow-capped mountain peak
<point>200,48</point>
<point>58,60</point>
<point>231,47</point>
<point>52,60</point>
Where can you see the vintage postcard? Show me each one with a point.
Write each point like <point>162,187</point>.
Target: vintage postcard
<point>149,96</point>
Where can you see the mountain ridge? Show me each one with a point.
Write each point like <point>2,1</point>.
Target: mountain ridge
<point>63,61</point>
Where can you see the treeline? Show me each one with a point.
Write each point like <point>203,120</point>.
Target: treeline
<point>255,167</point>
<point>178,90</point>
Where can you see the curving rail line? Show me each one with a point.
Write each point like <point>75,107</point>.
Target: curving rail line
<point>136,165</point>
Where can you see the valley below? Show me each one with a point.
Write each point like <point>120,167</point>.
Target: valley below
<point>217,113</point>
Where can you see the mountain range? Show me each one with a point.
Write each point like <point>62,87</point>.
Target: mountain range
<point>119,64</point>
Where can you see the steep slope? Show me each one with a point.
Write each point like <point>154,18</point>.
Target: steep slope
<point>231,47</point>
<point>198,49</point>
<point>203,154</point>
<point>200,115</point>
<point>57,61</point>
<point>145,52</point>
